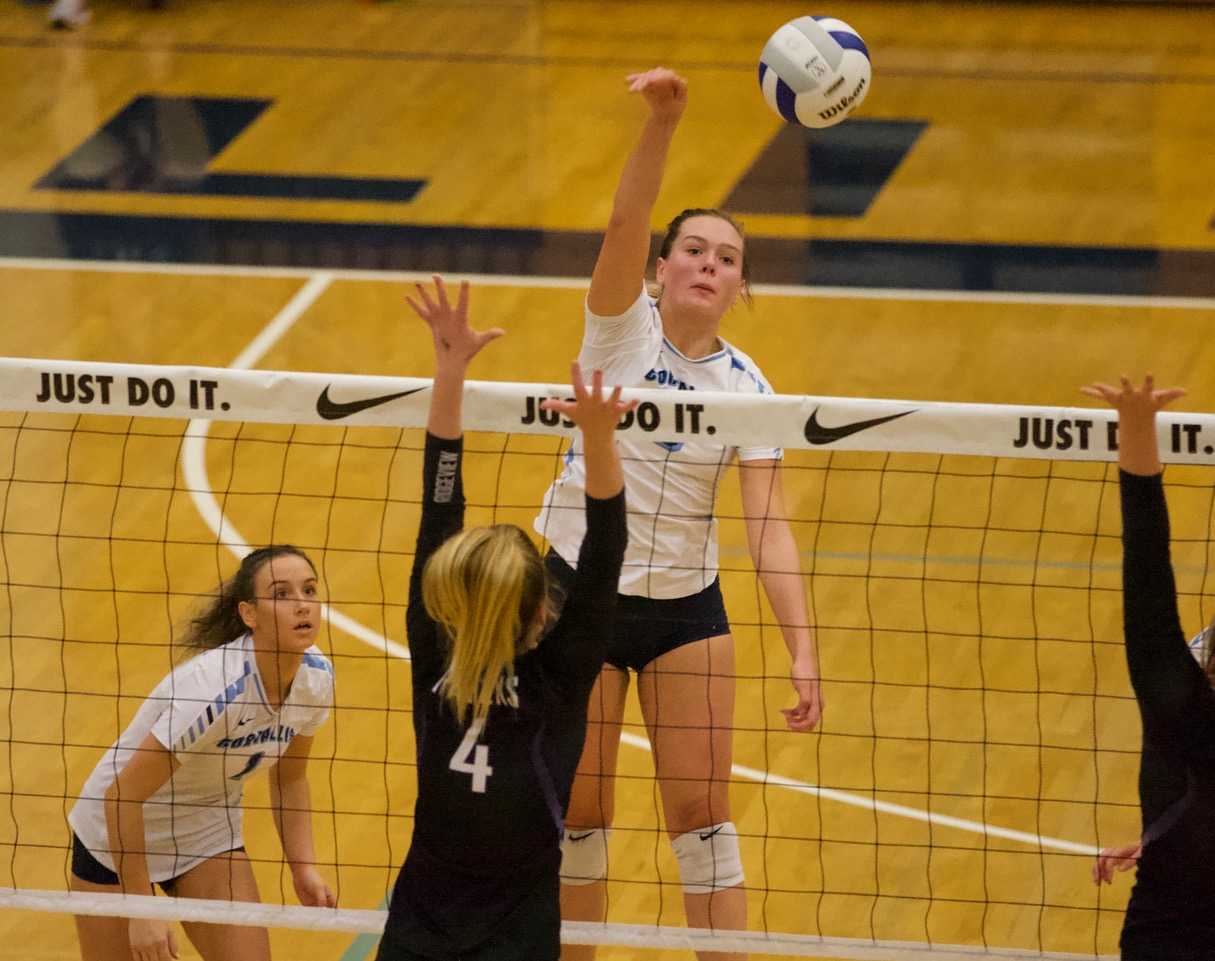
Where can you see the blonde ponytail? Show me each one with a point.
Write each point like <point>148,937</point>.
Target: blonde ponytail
<point>484,586</point>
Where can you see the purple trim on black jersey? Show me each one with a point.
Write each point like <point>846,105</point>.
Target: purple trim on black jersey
<point>546,781</point>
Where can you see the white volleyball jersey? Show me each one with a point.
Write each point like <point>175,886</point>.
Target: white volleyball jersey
<point>671,488</point>
<point>211,713</point>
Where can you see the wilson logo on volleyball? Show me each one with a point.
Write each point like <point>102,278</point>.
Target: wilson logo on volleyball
<point>858,91</point>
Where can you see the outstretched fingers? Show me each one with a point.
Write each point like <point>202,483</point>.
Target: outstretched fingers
<point>589,406</point>
<point>1100,391</point>
<point>455,339</point>
<point>426,307</point>
<point>1126,397</point>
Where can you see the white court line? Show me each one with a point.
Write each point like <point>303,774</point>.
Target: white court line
<point>194,457</point>
<point>194,468</point>
<point>886,807</point>
<point>580,283</point>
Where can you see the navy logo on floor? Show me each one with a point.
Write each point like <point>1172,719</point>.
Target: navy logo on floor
<point>163,145</point>
<point>836,172</point>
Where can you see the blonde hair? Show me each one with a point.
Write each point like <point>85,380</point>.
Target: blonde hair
<point>485,586</point>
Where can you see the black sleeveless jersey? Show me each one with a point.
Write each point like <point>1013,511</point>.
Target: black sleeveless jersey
<point>488,821</point>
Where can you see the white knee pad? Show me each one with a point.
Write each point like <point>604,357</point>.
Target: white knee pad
<point>584,856</point>
<point>708,858</point>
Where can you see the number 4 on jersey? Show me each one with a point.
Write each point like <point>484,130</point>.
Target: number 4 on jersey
<point>478,766</point>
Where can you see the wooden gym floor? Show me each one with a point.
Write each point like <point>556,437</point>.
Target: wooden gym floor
<point>1022,205</point>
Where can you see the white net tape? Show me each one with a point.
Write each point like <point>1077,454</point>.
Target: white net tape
<point>814,423</point>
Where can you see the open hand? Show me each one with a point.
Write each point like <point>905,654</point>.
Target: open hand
<point>456,343</point>
<point>1130,401</point>
<point>596,415</point>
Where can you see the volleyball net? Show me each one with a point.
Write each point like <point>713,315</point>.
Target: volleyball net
<point>962,567</point>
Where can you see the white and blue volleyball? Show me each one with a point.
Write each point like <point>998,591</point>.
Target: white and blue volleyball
<point>814,71</point>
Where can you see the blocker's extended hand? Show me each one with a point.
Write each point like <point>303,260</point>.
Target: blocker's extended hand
<point>456,343</point>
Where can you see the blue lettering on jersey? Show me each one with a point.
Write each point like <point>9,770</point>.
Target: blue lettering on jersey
<point>664,378</point>
<point>279,733</point>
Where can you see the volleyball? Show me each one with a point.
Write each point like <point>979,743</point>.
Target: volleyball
<point>814,71</point>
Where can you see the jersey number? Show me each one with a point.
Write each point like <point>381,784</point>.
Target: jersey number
<point>254,761</point>
<point>478,766</point>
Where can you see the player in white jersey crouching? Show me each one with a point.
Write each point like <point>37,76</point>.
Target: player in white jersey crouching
<point>163,804</point>
<point>671,626</point>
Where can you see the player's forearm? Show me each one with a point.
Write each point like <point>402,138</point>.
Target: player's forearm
<point>291,807</point>
<point>128,843</point>
<point>641,178</point>
<point>775,554</point>
<point>446,402</point>
<point>784,593</point>
<point>1138,450</point>
<point>604,475</point>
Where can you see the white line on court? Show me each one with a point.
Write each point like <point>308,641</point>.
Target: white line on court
<point>197,482</point>
<point>578,283</point>
<point>194,457</point>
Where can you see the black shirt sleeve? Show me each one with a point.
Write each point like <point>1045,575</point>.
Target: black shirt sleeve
<point>1175,698</point>
<point>442,516</point>
<point>575,648</point>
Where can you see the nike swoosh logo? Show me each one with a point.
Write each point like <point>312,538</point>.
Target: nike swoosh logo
<point>817,434</point>
<point>334,410</point>
<point>243,721</point>
<point>581,837</point>
<point>705,837</point>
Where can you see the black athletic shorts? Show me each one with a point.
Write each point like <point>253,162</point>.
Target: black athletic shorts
<point>88,868</point>
<point>646,627</point>
<point>529,932</point>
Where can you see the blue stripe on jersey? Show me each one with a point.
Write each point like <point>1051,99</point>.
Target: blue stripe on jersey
<point>315,660</point>
<point>216,707</point>
<point>737,364</point>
